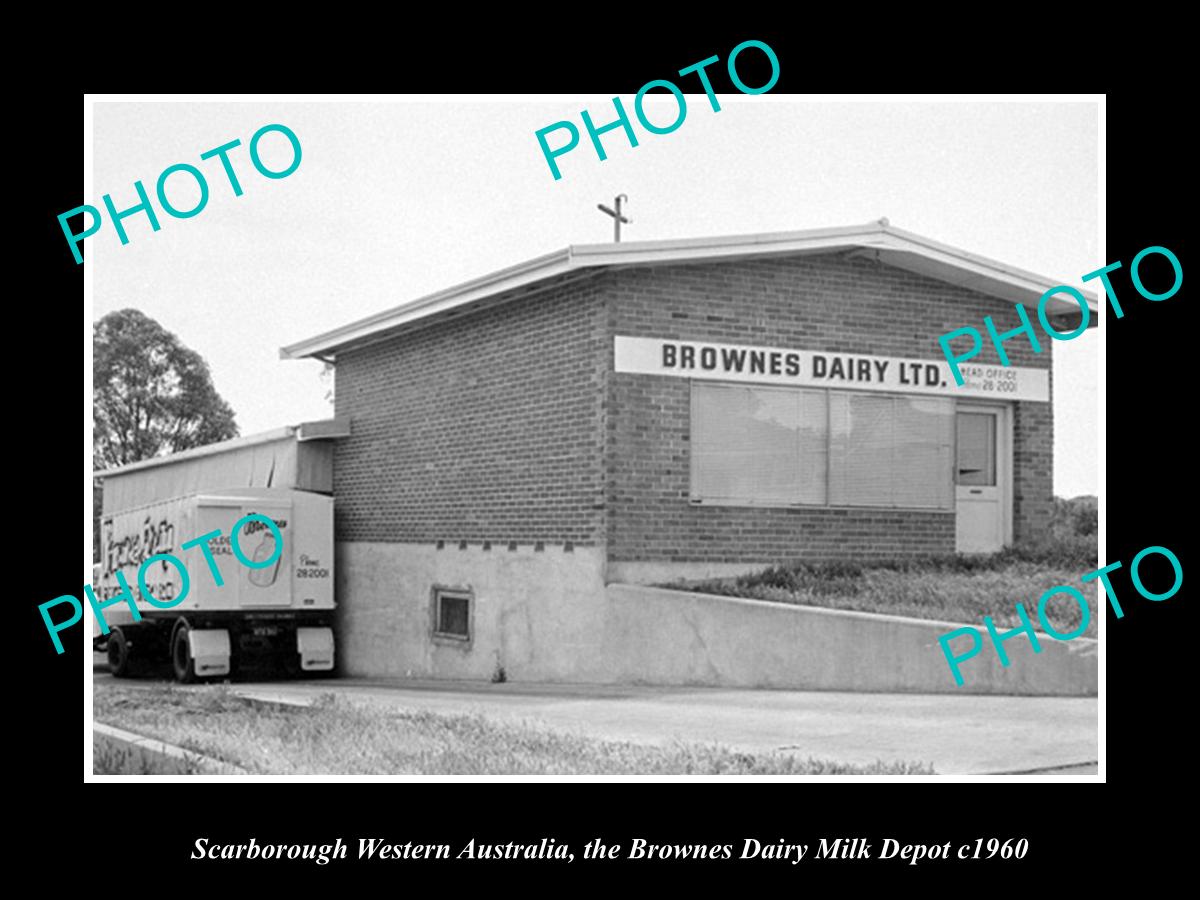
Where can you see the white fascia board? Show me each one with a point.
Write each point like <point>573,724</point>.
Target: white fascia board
<point>700,249</point>
<point>985,269</point>
<point>516,276</point>
<point>953,265</point>
<point>577,257</point>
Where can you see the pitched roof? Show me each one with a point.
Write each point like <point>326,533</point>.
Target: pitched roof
<point>875,240</point>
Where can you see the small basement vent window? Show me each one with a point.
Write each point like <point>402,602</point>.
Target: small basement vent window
<point>452,614</point>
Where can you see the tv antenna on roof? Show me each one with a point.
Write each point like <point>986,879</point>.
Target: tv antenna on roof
<point>616,214</point>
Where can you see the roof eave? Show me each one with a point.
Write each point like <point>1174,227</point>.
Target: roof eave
<point>524,273</point>
<point>1035,284</point>
<point>950,264</point>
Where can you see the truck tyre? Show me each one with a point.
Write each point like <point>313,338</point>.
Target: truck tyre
<point>118,654</point>
<point>181,655</point>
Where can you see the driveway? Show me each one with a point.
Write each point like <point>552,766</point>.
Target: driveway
<point>959,735</point>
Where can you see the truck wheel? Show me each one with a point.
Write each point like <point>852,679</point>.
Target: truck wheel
<point>118,654</point>
<point>181,654</point>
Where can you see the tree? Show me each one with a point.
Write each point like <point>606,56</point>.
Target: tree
<point>151,395</point>
<point>327,376</point>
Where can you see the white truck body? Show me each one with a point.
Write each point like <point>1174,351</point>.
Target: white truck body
<point>300,578</point>
<point>238,609</point>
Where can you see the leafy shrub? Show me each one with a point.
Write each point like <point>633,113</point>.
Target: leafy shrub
<point>1078,516</point>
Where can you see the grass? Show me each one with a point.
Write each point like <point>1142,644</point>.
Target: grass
<point>337,737</point>
<point>953,588</point>
<point>109,759</point>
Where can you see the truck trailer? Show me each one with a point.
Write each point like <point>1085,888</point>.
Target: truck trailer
<point>266,600</point>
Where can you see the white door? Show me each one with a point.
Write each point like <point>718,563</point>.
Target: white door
<point>980,476</point>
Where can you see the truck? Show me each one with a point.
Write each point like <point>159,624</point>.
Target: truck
<point>246,597</point>
<point>230,613</point>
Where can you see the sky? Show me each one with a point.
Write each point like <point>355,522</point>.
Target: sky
<point>396,200</point>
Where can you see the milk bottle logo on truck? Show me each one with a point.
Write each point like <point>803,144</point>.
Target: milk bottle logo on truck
<point>264,550</point>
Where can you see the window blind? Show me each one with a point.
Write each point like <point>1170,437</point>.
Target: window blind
<point>890,451</point>
<point>758,444</point>
<point>775,445</point>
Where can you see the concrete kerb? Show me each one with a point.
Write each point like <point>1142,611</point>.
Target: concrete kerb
<point>148,756</point>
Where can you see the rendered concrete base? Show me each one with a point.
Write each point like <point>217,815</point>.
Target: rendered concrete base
<point>536,615</point>
<point>547,616</point>
<point>661,636</point>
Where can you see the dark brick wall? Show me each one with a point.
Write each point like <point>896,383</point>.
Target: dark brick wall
<point>498,425</point>
<point>1033,464</point>
<point>831,303</point>
<point>485,427</point>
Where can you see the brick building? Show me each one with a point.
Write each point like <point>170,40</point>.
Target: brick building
<point>648,411</point>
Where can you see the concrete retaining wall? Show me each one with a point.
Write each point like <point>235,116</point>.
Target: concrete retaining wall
<point>661,636</point>
<point>548,616</point>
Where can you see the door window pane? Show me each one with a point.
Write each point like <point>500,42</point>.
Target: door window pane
<point>976,464</point>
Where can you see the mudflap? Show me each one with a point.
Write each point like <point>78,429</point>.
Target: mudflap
<point>315,646</point>
<point>210,651</point>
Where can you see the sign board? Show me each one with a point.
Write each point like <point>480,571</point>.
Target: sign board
<point>825,369</point>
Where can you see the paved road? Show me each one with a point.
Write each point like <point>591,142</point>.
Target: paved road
<point>959,735</point>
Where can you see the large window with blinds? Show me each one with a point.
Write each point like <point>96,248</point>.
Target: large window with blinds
<point>758,444</point>
<point>778,446</point>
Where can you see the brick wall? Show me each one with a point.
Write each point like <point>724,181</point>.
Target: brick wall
<point>485,427</point>
<point>1033,464</point>
<point>827,302</point>
<point>497,425</point>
